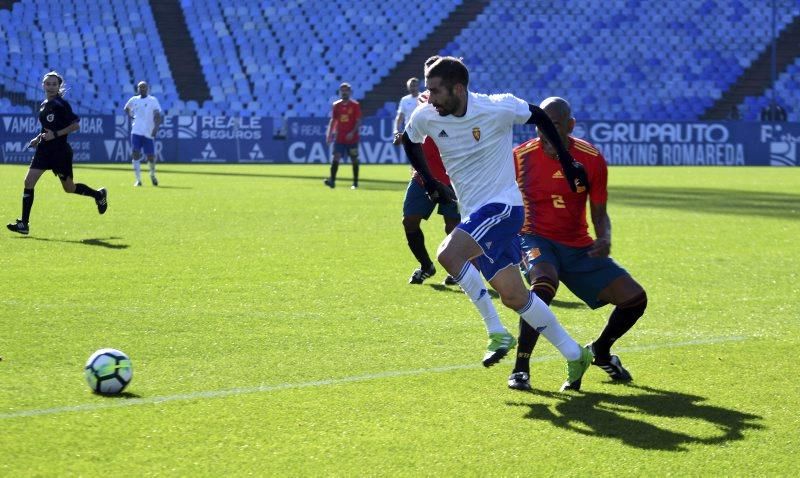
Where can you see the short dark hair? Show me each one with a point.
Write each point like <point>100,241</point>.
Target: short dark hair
<point>430,61</point>
<point>451,70</point>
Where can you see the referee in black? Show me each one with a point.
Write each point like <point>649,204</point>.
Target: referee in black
<point>53,152</point>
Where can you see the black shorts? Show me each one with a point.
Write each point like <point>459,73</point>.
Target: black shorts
<point>58,159</point>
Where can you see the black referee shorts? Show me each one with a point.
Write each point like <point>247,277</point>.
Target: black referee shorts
<point>57,159</point>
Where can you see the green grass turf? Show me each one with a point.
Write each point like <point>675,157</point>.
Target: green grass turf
<point>230,278</point>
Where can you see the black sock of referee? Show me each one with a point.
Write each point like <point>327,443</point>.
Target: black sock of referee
<point>85,190</point>
<point>355,174</point>
<point>545,289</point>
<point>334,169</point>
<point>621,320</point>
<point>27,204</point>
<point>416,242</point>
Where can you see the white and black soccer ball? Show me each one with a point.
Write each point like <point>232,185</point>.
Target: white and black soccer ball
<point>108,371</point>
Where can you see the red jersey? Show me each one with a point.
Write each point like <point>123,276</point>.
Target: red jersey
<point>552,210</point>
<point>345,115</point>
<point>435,165</point>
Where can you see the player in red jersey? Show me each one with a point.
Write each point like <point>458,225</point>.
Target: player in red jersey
<point>557,245</point>
<point>343,132</point>
<point>418,206</point>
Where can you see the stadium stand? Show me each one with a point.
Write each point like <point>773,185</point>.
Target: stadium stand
<point>289,57</point>
<point>787,94</point>
<point>614,59</point>
<point>617,59</point>
<point>101,55</point>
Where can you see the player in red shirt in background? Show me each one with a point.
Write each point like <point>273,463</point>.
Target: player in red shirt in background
<point>557,245</point>
<point>343,132</point>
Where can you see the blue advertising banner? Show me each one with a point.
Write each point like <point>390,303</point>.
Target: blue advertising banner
<point>181,139</point>
<point>305,142</point>
<point>218,139</point>
<point>642,143</point>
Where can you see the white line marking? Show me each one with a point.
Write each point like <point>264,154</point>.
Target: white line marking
<point>122,402</point>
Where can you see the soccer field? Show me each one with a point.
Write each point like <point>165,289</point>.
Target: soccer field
<point>272,332</point>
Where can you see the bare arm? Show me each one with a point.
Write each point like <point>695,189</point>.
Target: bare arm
<point>328,138</point>
<point>157,118</point>
<point>399,121</point>
<point>602,230</point>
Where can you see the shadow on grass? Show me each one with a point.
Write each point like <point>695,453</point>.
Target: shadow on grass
<point>162,186</point>
<point>703,200</point>
<point>561,304</point>
<point>454,288</point>
<point>119,396</point>
<point>364,183</point>
<point>604,415</point>
<point>710,201</point>
<point>102,242</point>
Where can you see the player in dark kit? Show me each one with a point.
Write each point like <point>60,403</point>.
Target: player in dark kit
<point>53,152</point>
<point>557,245</point>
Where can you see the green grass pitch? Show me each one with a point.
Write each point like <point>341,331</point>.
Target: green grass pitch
<point>273,333</point>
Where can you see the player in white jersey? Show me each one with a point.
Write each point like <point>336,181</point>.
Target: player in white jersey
<point>145,111</point>
<point>474,135</point>
<point>407,105</point>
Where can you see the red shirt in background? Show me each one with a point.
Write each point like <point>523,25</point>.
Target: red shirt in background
<point>345,115</point>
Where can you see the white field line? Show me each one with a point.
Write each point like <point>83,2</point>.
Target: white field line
<point>122,402</point>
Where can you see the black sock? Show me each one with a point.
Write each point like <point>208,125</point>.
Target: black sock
<point>355,174</point>
<point>334,168</point>
<point>27,204</point>
<point>416,242</point>
<point>621,320</point>
<point>545,289</point>
<point>85,190</point>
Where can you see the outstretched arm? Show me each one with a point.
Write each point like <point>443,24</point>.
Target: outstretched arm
<point>573,170</point>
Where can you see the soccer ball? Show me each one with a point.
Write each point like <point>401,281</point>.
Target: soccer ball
<point>108,371</point>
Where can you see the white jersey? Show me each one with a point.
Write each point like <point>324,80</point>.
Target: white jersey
<point>407,106</point>
<point>143,110</point>
<point>476,148</point>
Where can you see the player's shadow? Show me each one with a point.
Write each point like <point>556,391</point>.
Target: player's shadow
<point>616,417</point>
<point>454,288</point>
<point>342,181</point>
<point>172,187</point>
<point>101,242</point>
<point>708,200</point>
<point>563,304</point>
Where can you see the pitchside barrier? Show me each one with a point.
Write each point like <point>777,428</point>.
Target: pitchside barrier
<point>217,139</point>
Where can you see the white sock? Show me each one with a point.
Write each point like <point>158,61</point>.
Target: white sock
<point>541,318</point>
<point>472,284</point>
<point>152,165</point>
<point>137,170</point>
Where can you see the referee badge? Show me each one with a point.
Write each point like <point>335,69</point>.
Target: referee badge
<point>476,133</point>
<point>50,117</point>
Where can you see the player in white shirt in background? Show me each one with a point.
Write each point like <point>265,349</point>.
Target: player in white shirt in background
<point>145,111</point>
<point>407,105</point>
<point>474,135</point>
